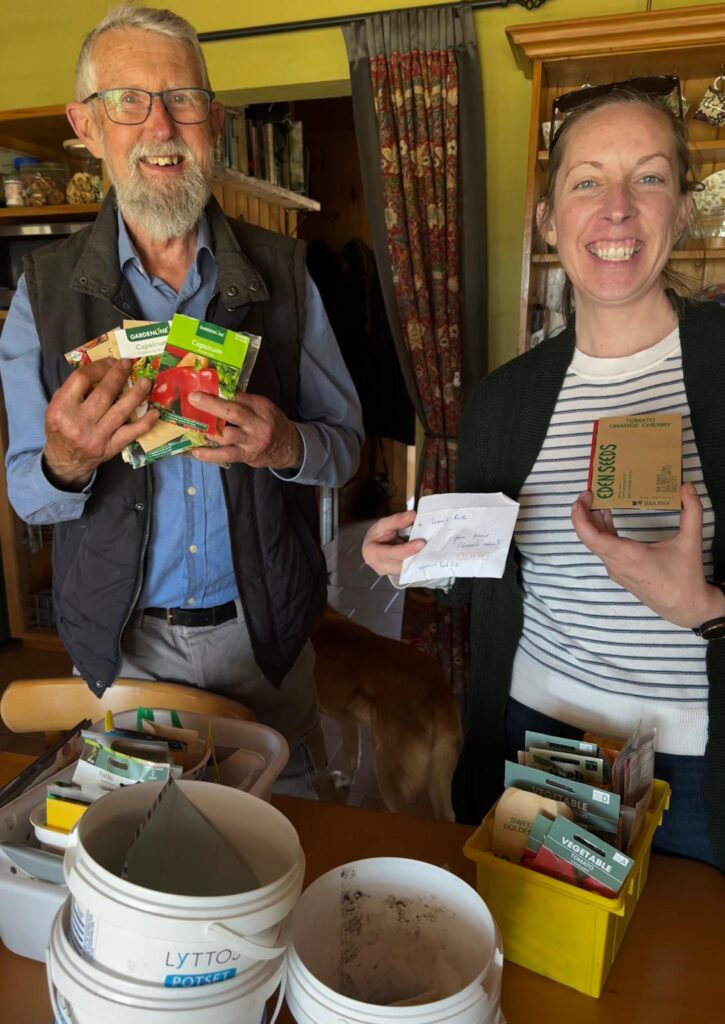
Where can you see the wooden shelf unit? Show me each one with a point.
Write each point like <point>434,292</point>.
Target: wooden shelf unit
<point>66,211</point>
<point>560,56</point>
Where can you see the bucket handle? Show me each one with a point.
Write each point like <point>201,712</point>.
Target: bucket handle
<point>58,1016</point>
<point>281,993</point>
<point>244,945</point>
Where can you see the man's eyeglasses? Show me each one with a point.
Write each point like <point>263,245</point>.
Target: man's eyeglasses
<point>651,85</point>
<point>133,106</point>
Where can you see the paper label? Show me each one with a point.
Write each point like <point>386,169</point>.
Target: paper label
<point>465,535</point>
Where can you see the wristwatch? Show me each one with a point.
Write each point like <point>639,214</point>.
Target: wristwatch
<point>713,629</point>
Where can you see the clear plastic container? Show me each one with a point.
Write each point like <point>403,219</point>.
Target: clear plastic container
<point>85,179</point>
<point>705,229</point>
<point>44,184</point>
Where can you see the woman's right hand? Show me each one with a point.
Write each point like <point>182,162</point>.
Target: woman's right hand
<point>382,548</point>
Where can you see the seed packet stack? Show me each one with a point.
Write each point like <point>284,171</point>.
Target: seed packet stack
<point>180,357</point>
<point>120,757</point>
<point>572,809</point>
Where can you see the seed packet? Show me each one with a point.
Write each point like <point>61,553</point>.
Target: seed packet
<point>201,357</point>
<point>140,340</point>
<point>539,829</point>
<point>546,742</point>
<point>594,808</point>
<point>215,360</point>
<point>102,347</point>
<point>568,766</point>
<point>570,853</point>
<point>636,462</point>
<point>515,812</point>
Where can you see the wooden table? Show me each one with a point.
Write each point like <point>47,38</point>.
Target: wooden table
<point>670,969</point>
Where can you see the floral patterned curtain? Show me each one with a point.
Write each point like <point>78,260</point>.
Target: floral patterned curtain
<point>419,126</point>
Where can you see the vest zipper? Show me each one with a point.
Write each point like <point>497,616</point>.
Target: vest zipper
<point>142,560</point>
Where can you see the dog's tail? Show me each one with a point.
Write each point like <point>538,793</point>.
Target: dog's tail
<point>447,741</point>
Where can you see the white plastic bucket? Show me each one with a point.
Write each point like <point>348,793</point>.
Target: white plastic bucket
<point>181,941</point>
<point>375,931</point>
<point>82,993</point>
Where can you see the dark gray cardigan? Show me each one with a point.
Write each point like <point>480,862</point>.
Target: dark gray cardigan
<point>503,429</point>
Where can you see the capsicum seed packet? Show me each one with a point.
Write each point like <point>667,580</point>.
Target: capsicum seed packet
<point>201,357</point>
<point>144,343</point>
<point>141,341</point>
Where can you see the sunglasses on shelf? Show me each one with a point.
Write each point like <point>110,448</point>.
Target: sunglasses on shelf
<point>651,85</point>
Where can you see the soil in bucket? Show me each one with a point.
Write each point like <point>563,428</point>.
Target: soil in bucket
<point>387,939</point>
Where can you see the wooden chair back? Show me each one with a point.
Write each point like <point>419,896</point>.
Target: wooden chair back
<point>54,705</point>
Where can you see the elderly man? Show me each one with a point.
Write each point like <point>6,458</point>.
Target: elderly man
<point>183,571</point>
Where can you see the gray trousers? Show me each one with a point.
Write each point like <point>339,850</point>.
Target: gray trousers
<point>220,658</point>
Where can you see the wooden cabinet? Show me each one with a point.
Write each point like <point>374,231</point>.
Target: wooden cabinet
<point>26,551</point>
<point>561,56</point>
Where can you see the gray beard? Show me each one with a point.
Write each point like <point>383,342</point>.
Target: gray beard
<point>164,209</point>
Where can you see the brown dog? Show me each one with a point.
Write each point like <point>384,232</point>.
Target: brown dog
<point>402,695</point>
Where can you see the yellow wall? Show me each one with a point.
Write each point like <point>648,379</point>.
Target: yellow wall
<point>37,55</point>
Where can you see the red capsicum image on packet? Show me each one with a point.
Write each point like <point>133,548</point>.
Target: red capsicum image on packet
<point>201,357</point>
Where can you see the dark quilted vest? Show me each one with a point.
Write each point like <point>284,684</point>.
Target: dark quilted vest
<point>77,292</point>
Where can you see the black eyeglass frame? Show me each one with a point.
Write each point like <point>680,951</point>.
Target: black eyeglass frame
<point>651,85</point>
<point>101,95</point>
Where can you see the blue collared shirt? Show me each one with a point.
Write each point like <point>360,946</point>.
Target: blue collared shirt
<point>189,559</point>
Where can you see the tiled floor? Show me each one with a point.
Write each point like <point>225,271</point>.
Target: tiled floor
<point>354,590</point>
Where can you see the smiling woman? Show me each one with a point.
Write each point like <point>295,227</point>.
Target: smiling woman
<point>599,620</point>
<point>631,155</point>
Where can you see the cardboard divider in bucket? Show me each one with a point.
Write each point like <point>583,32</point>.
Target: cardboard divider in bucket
<point>181,941</point>
<point>390,940</point>
<point>83,993</point>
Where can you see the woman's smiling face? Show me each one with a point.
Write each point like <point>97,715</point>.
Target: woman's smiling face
<point>616,208</point>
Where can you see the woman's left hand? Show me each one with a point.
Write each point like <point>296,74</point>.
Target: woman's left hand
<point>667,576</point>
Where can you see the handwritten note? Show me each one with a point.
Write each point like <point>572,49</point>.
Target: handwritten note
<point>465,535</point>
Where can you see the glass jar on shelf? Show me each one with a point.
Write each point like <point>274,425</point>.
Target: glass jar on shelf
<point>85,179</point>
<point>44,184</point>
<point>13,190</point>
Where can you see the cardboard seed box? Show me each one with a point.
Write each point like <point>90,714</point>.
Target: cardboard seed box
<point>636,462</point>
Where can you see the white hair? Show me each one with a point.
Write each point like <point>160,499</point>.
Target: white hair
<point>149,19</point>
<point>168,208</point>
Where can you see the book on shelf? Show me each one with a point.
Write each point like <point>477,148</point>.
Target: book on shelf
<point>235,140</point>
<point>270,154</point>
<point>263,141</point>
<point>296,150</point>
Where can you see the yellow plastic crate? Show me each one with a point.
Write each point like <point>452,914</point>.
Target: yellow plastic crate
<point>556,929</point>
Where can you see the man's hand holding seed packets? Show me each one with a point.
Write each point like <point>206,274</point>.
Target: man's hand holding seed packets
<point>183,357</point>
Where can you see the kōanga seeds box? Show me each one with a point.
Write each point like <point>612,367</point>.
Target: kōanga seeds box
<point>636,462</point>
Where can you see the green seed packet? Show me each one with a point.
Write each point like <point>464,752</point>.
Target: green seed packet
<point>203,358</point>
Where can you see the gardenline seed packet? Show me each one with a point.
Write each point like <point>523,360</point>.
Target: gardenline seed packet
<point>201,357</point>
<point>143,342</point>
